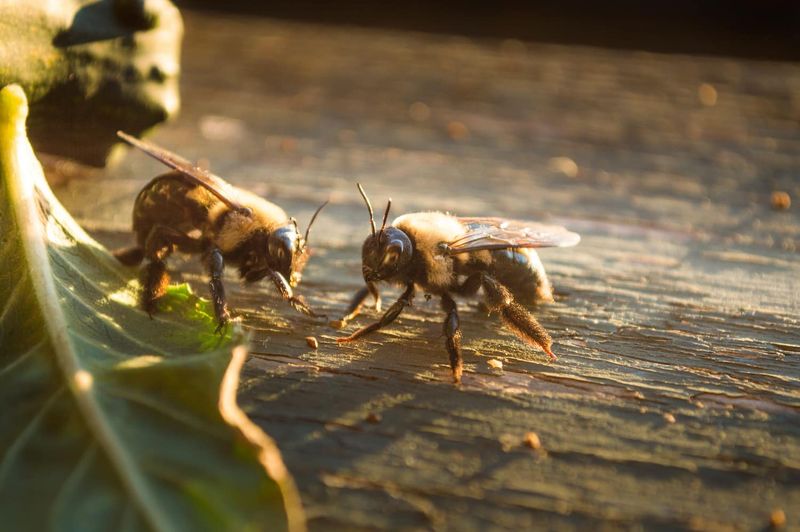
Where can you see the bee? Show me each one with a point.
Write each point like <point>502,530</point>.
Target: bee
<point>194,211</point>
<point>445,256</point>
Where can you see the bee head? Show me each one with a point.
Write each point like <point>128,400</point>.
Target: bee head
<point>283,245</point>
<point>387,252</point>
<point>287,249</point>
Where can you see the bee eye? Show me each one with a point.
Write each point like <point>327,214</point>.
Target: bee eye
<point>389,258</point>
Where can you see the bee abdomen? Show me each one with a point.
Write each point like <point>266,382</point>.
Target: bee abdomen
<point>521,271</point>
<point>172,201</point>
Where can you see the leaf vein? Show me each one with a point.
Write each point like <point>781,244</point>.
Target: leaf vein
<point>172,413</point>
<point>22,357</point>
<point>26,433</point>
<point>12,298</point>
<point>109,326</point>
<point>74,476</point>
<point>64,264</point>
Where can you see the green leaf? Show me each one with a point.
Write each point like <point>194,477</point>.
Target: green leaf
<point>111,420</point>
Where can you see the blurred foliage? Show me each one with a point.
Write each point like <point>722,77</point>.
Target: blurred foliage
<point>91,68</point>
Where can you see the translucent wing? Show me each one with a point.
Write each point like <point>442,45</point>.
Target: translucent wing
<point>499,233</point>
<point>197,175</point>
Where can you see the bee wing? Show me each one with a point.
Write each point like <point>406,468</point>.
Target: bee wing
<point>499,233</point>
<point>197,175</point>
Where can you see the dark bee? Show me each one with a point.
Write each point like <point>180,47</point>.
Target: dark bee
<point>194,211</point>
<point>445,255</point>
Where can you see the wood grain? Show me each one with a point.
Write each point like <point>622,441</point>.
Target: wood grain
<point>675,402</point>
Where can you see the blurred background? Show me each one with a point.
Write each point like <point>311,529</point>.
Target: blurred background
<point>747,28</point>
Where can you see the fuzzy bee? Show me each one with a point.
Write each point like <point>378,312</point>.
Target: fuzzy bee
<point>445,256</point>
<point>194,211</point>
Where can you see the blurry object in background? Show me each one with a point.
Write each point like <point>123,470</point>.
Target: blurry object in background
<point>564,165</point>
<point>777,519</point>
<point>707,94</point>
<point>91,68</point>
<point>222,128</point>
<point>457,130</point>
<point>781,200</point>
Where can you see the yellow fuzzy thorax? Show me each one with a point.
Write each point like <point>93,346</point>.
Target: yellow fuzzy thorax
<point>427,230</point>
<point>266,216</point>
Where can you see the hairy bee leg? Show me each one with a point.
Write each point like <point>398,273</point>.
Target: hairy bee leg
<point>154,276</point>
<point>452,330</point>
<point>159,244</point>
<point>285,290</point>
<point>514,316</point>
<point>215,264</point>
<point>154,280</point>
<point>357,302</point>
<point>388,317</point>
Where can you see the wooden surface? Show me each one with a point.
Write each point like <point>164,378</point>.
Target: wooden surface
<point>675,402</point>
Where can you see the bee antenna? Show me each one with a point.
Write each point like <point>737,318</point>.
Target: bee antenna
<point>294,223</point>
<point>385,215</point>
<point>314,217</point>
<point>369,207</point>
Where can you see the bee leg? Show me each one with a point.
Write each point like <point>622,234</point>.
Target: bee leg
<point>215,265</point>
<point>452,330</point>
<point>285,290</point>
<point>470,286</point>
<point>354,308</point>
<point>131,256</point>
<point>388,317</point>
<point>514,316</point>
<point>154,279</point>
<point>159,244</point>
<point>154,276</point>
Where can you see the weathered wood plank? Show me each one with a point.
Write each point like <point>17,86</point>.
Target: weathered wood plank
<point>681,303</point>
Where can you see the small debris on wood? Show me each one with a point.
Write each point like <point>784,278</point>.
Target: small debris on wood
<point>777,518</point>
<point>564,165</point>
<point>707,94</point>
<point>457,130</point>
<point>532,440</point>
<point>669,418</point>
<point>373,418</point>
<point>495,364</point>
<point>781,200</point>
<point>312,342</point>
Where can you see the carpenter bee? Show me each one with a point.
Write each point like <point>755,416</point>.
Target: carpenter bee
<point>445,256</point>
<point>192,210</point>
